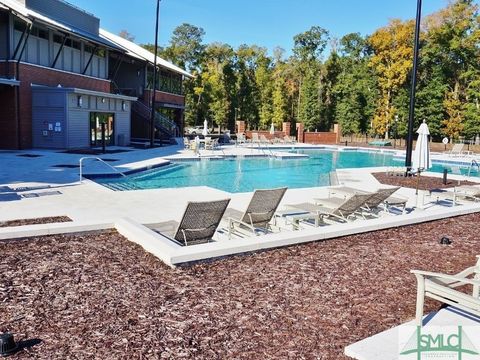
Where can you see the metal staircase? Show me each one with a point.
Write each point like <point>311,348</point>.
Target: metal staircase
<point>167,127</point>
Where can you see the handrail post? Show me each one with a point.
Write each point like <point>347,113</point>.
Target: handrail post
<point>98,159</point>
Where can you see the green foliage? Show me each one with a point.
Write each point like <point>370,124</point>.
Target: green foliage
<point>363,84</point>
<point>309,45</point>
<point>310,106</point>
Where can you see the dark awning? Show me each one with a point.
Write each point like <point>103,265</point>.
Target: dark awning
<point>171,106</point>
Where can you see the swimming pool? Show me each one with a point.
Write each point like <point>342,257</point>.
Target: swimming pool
<point>247,174</point>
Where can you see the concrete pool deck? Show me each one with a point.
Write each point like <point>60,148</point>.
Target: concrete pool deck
<point>33,187</point>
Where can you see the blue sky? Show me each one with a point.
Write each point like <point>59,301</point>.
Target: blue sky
<point>268,23</point>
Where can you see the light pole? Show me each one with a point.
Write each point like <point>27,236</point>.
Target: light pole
<point>411,115</point>
<point>154,87</point>
<point>395,132</point>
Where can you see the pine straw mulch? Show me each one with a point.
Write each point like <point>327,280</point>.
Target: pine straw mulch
<point>425,183</point>
<point>42,220</point>
<point>100,296</point>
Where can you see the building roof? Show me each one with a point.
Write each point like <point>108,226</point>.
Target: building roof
<point>26,13</point>
<point>141,53</point>
<point>83,92</point>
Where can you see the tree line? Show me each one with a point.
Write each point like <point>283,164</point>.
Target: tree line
<point>362,83</point>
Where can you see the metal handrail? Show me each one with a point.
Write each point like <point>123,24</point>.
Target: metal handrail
<point>98,159</point>
<point>164,122</point>
<point>473,163</point>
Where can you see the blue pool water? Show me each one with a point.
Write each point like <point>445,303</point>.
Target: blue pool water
<point>247,174</point>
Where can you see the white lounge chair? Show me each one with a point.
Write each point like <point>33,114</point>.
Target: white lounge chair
<point>198,224</point>
<point>457,150</point>
<point>256,218</point>
<point>442,287</point>
<point>241,139</point>
<point>467,192</point>
<point>186,143</point>
<point>264,140</point>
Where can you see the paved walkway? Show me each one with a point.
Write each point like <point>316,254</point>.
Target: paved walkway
<point>33,185</point>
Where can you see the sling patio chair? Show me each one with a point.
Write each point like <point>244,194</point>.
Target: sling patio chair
<point>241,139</point>
<point>256,218</point>
<point>264,140</point>
<point>384,197</point>
<point>457,150</point>
<point>442,287</point>
<point>337,209</point>
<point>467,192</point>
<point>255,138</point>
<point>186,143</point>
<point>198,224</point>
<point>380,198</point>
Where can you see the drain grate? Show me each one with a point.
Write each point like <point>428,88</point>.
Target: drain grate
<point>30,155</point>
<point>66,166</point>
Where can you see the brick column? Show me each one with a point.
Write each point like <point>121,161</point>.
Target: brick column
<point>240,127</point>
<point>300,132</point>
<point>286,128</point>
<point>338,131</point>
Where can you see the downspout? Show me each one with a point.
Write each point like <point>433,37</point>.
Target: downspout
<point>9,51</point>
<point>17,88</point>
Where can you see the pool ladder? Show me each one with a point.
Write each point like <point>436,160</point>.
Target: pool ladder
<point>472,164</point>
<point>97,159</point>
<point>266,150</point>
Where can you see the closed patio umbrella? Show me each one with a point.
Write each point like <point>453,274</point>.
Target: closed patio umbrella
<point>272,129</point>
<point>205,128</point>
<point>421,156</point>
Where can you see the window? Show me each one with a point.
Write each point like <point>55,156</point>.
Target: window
<point>76,45</point>
<point>100,53</point>
<point>58,38</point>
<point>43,34</point>
<point>19,25</point>
<point>40,33</point>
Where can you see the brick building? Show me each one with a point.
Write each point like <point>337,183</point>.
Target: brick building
<point>46,45</point>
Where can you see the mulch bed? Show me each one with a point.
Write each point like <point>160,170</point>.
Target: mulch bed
<point>100,296</point>
<point>425,183</point>
<point>42,220</point>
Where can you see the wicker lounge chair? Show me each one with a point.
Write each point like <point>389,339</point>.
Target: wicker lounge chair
<point>382,197</point>
<point>198,224</point>
<point>256,218</point>
<point>442,287</point>
<point>334,208</point>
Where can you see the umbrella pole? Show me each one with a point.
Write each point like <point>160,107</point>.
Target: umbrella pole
<point>418,182</point>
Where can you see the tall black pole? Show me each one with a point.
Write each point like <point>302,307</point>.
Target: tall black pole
<point>411,115</point>
<point>154,87</point>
